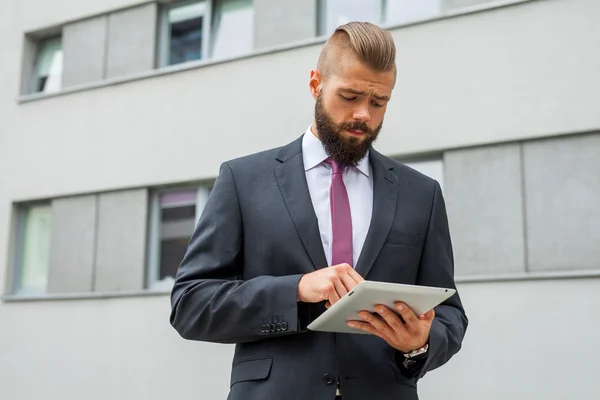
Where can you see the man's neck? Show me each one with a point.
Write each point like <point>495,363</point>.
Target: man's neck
<point>313,129</point>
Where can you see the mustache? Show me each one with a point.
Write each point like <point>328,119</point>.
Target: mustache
<point>357,126</point>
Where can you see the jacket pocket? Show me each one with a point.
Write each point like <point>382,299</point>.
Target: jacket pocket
<point>251,370</point>
<point>405,239</point>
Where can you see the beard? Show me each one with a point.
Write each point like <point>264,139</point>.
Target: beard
<point>345,150</point>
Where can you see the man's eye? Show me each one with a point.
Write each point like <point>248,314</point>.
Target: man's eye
<point>348,98</point>
<point>377,105</point>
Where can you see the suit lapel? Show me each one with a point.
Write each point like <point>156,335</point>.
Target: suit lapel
<point>385,195</point>
<point>291,179</point>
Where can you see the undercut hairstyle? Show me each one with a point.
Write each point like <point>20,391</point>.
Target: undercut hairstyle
<point>371,44</point>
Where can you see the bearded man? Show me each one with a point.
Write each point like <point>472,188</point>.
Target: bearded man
<point>287,232</point>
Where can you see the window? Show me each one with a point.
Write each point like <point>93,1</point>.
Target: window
<point>334,13</point>
<point>233,24</point>
<point>383,12</point>
<point>33,249</point>
<point>201,29</point>
<point>432,168</point>
<point>173,218</point>
<point>48,68</point>
<point>405,11</point>
<point>186,31</point>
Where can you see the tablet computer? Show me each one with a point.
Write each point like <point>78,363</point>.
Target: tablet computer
<point>367,294</point>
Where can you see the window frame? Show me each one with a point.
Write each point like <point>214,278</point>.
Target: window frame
<point>153,281</point>
<point>164,35</point>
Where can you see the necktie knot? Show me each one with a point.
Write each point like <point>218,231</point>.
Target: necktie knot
<point>336,166</point>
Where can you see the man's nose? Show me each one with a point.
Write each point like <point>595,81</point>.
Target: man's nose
<point>361,113</point>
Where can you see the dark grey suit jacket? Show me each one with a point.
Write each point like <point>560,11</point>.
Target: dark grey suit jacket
<point>258,234</point>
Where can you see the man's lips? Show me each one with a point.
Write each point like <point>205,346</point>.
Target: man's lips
<point>355,132</point>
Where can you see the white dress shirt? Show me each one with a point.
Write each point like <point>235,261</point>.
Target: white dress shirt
<point>359,185</point>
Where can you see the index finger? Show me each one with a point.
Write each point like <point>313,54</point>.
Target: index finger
<point>350,278</point>
<point>355,275</point>
<point>348,281</point>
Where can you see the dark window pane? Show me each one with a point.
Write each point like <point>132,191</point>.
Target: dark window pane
<point>186,41</point>
<point>177,226</point>
<point>171,254</point>
<point>41,83</point>
<point>178,213</point>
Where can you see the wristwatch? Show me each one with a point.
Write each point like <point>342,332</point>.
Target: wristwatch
<point>417,352</point>
<point>413,357</point>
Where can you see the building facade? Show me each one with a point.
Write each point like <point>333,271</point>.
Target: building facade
<point>116,114</point>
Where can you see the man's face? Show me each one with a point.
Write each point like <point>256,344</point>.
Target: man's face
<point>350,108</point>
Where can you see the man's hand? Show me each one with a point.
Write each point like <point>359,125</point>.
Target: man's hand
<point>328,284</point>
<point>406,336</point>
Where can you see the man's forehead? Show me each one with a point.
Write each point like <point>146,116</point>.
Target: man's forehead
<point>357,74</point>
<point>357,86</point>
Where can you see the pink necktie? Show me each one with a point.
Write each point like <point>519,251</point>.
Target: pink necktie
<point>341,220</point>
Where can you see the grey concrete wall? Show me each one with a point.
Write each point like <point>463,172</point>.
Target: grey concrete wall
<point>562,179</point>
<point>462,81</point>
<point>494,76</point>
<point>125,349</point>
<point>510,320</point>
<point>122,227</point>
<point>131,41</point>
<point>28,61</point>
<point>279,22</point>
<point>72,244</point>
<point>483,190</point>
<point>110,349</point>
<point>84,49</point>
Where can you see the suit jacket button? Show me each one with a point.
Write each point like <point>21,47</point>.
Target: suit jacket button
<point>284,326</point>
<point>328,379</point>
<point>278,327</point>
<point>273,328</point>
<point>262,329</point>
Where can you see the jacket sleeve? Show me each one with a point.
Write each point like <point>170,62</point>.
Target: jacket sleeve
<point>210,301</point>
<point>437,269</point>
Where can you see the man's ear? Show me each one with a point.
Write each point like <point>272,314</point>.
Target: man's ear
<point>315,83</point>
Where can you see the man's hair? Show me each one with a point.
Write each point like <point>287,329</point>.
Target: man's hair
<point>371,44</point>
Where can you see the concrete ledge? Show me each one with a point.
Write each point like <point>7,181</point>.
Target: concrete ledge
<point>531,276</point>
<point>538,276</point>
<point>16,298</point>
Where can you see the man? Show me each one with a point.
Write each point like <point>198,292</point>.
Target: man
<point>287,232</point>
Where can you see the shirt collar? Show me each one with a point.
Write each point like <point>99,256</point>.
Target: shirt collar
<point>314,153</point>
